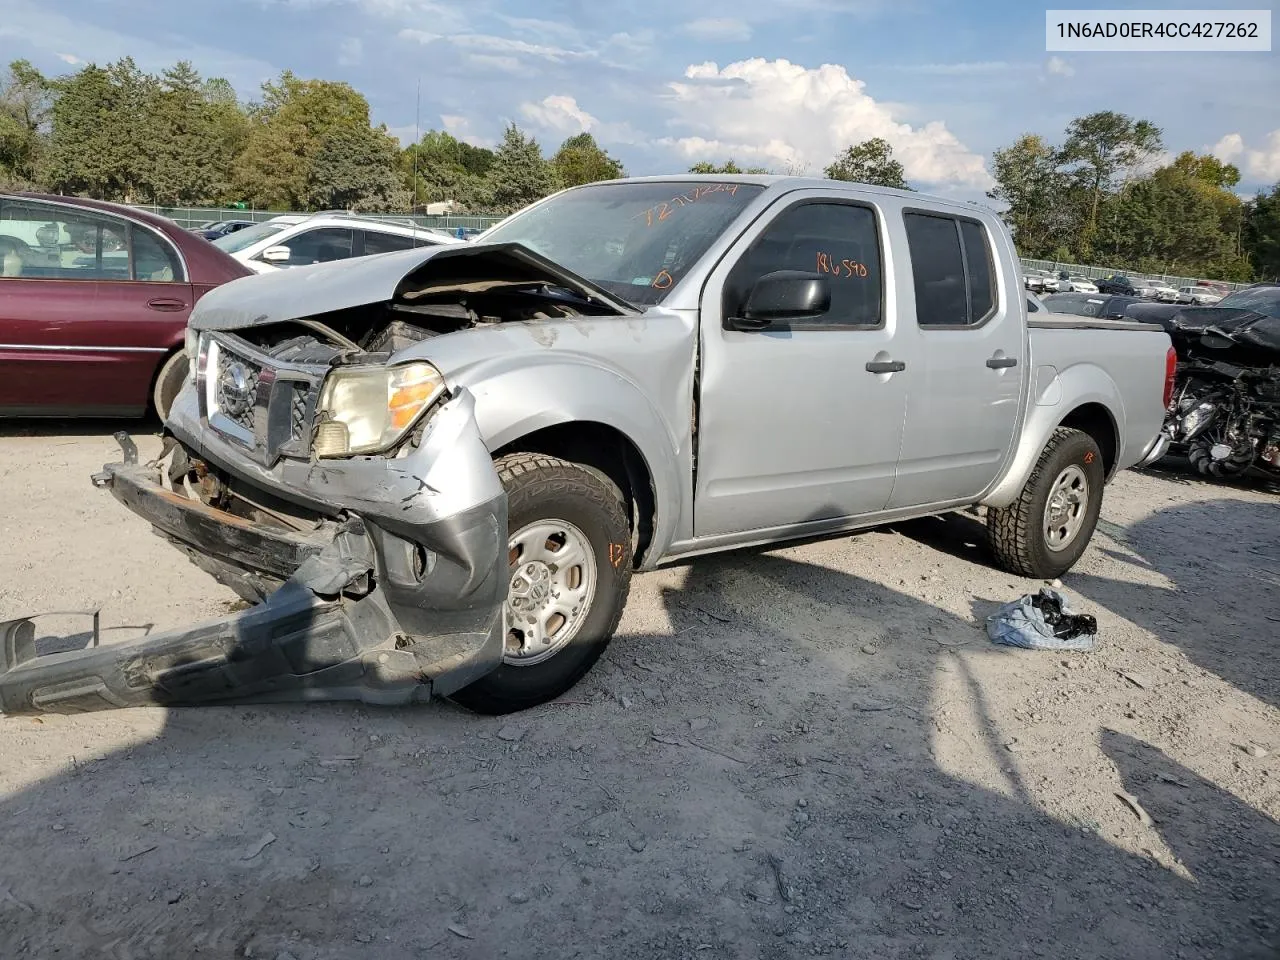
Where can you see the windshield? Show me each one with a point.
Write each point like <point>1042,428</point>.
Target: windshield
<point>237,240</point>
<point>635,240</point>
<point>1077,306</point>
<point>1264,300</point>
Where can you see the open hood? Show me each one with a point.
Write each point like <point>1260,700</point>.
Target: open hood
<point>297,292</point>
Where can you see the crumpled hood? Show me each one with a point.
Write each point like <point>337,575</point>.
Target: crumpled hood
<point>295,292</point>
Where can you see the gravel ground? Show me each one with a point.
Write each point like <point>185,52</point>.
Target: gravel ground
<point>809,751</point>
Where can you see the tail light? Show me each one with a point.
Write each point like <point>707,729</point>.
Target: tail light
<point>1170,368</point>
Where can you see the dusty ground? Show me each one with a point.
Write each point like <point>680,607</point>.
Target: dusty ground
<point>810,751</point>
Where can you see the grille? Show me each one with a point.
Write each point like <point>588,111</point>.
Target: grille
<point>298,413</point>
<point>237,389</point>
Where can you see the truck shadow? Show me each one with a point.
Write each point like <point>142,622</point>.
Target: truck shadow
<point>77,427</point>
<point>761,767</point>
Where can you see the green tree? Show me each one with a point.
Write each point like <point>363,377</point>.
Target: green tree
<point>102,140</point>
<point>729,166</point>
<point>446,168</point>
<point>1101,149</point>
<point>870,161</point>
<point>1034,190</point>
<point>519,174</point>
<point>288,131</point>
<point>581,160</point>
<point>186,163</point>
<point>1261,239</point>
<point>1207,169</point>
<point>26,100</point>
<point>356,168</point>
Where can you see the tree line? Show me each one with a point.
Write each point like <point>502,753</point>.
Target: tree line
<point>176,138</point>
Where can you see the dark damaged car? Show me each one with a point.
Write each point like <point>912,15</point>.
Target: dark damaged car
<point>433,472</point>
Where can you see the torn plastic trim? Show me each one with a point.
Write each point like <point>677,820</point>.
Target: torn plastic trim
<point>391,606</point>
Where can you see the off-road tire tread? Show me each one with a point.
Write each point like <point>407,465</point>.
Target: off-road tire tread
<point>544,475</point>
<point>1010,529</point>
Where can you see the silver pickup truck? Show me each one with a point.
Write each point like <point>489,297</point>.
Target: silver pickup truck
<point>434,472</point>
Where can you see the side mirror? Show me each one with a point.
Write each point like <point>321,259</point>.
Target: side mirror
<point>278,254</point>
<point>784,295</point>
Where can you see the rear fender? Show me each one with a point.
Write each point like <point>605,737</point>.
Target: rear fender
<point>1055,395</point>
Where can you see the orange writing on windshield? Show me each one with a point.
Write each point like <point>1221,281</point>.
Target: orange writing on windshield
<point>662,280</point>
<point>660,211</point>
<point>841,268</point>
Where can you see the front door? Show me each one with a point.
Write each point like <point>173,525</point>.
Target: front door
<point>89,306</point>
<point>972,347</point>
<point>791,424</point>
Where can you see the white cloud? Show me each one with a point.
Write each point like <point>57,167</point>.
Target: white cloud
<point>351,52</point>
<point>728,29</point>
<point>70,58</point>
<point>1059,67</point>
<point>419,36</point>
<point>1262,165</point>
<point>811,115</point>
<point>460,127</point>
<point>559,113</point>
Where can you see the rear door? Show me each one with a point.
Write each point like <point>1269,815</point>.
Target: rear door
<point>89,306</point>
<point>791,425</point>
<point>968,323</point>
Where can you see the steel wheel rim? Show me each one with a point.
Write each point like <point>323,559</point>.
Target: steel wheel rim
<point>1066,508</point>
<point>553,582</point>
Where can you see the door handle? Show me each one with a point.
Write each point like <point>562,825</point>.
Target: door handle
<point>885,366</point>
<point>997,363</point>
<point>167,304</point>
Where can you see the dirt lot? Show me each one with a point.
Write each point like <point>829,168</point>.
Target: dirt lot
<point>807,751</point>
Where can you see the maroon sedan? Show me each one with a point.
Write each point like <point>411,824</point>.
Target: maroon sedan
<point>94,299</point>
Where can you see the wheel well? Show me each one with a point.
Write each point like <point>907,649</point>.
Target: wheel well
<point>155,377</point>
<point>1095,420</point>
<point>608,450</point>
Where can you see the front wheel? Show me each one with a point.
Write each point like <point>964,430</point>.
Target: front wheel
<point>1043,533</point>
<point>569,550</point>
<point>168,383</point>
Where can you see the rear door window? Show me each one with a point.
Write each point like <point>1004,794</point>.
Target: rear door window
<point>952,268</point>
<point>376,242</point>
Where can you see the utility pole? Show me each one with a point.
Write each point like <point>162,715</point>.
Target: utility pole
<point>417,139</point>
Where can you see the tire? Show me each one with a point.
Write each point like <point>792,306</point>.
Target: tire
<point>1235,464</point>
<point>1019,534</point>
<point>168,382</point>
<point>569,499</point>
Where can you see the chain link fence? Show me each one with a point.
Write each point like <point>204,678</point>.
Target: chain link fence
<point>189,217</point>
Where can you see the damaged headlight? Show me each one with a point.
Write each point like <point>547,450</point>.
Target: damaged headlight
<point>370,409</point>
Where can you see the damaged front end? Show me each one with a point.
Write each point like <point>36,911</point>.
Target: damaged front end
<point>319,465</point>
<point>389,604</point>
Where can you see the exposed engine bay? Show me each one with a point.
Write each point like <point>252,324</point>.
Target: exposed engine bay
<point>452,291</point>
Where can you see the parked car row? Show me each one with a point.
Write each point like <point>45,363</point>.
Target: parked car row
<point>1046,282</point>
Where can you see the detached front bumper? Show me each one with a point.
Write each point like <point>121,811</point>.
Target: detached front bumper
<point>391,605</point>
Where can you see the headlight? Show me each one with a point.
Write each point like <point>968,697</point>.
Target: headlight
<point>369,409</point>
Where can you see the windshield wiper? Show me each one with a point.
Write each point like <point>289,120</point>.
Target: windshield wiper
<point>581,297</point>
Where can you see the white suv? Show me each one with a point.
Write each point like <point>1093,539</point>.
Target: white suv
<point>296,240</point>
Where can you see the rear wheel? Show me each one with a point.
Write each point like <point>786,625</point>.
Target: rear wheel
<point>168,382</point>
<point>1043,533</point>
<point>569,550</point>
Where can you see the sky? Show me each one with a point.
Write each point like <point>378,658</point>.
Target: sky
<point>663,84</point>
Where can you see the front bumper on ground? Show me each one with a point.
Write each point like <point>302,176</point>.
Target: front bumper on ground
<point>1159,447</point>
<point>391,605</point>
